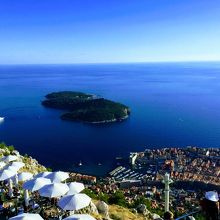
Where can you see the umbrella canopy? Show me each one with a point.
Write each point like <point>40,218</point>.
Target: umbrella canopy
<point>80,217</point>
<point>24,176</point>
<point>36,184</point>
<point>9,158</point>
<point>75,188</point>
<point>6,174</point>
<point>27,216</point>
<point>54,190</point>
<point>212,196</point>
<point>19,165</point>
<point>2,164</point>
<point>42,174</point>
<point>58,176</point>
<point>74,202</point>
<point>12,168</point>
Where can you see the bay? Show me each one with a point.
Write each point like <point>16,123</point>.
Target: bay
<point>172,104</point>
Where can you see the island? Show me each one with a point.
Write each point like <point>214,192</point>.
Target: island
<point>86,107</point>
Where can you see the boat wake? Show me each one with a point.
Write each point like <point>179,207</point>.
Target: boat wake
<point>2,119</point>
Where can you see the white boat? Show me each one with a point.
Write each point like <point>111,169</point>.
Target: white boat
<point>2,119</point>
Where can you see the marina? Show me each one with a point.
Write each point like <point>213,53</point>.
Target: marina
<point>122,173</point>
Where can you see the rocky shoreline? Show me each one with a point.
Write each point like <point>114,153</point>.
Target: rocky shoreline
<point>108,121</point>
<point>31,164</point>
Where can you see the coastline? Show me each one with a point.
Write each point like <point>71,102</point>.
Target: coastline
<point>108,121</point>
<point>111,187</point>
<point>159,161</point>
<point>136,162</point>
<point>34,129</point>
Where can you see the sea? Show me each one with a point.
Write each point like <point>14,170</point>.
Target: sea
<point>172,105</point>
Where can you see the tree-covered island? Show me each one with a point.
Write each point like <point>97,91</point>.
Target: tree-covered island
<point>86,108</point>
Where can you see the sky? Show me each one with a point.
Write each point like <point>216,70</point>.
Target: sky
<point>108,31</point>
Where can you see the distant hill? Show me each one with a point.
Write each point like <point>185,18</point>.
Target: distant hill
<point>86,107</point>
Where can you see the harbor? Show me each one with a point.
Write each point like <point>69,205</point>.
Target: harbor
<point>193,164</point>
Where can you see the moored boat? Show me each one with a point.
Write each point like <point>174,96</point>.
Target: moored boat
<point>2,119</point>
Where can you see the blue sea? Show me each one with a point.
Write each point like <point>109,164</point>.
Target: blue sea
<point>172,104</point>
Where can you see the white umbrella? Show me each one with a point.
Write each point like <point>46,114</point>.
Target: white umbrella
<point>24,176</point>
<point>74,202</point>
<point>2,164</point>
<point>80,217</point>
<point>9,158</point>
<point>53,190</point>
<point>19,165</point>
<point>15,166</point>
<point>27,216</point>
<point>58,176</point>
<point>75,188</point>
<point>36,184</point>
<point>6,174</point>
<point>12,168</point>
<point>42,174</point>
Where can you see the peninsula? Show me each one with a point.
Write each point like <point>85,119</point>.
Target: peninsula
<point>86,107</point>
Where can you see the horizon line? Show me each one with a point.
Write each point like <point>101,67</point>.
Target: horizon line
<point>99,63</point>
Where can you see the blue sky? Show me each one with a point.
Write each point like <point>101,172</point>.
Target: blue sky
<point>97,31</point>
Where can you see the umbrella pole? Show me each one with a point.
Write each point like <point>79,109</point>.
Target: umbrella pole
<point>26,198</point>
<point>10,188</point>
<point>16,180</point>
<point>71,213</point>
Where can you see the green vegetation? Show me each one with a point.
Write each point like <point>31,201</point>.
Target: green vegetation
<point>86,107</point>
<point>68,94</point>
<point>118,198</point>
<point>49,169</point>
<point>199,217</point>
<point>9,148</point>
